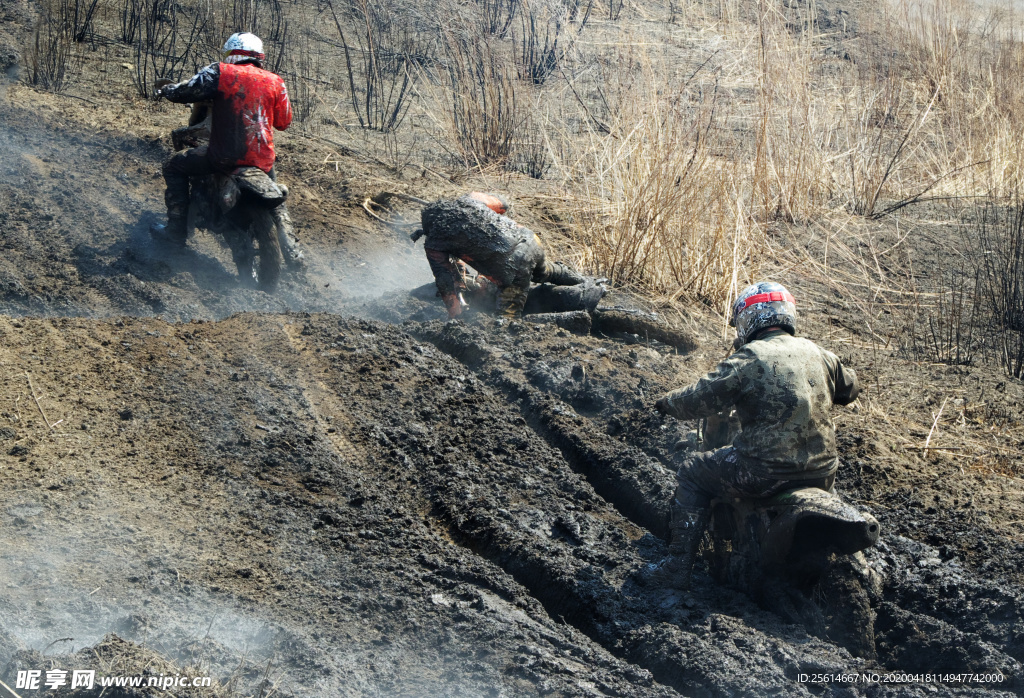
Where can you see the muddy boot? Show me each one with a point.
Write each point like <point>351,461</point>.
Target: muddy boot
<point>562,275</point>
<point>686,528</point>
<point>511,301</point>
<point>286,235</point>
<point>454,303</point>
<point>174,233</point>
<point>548,298</point>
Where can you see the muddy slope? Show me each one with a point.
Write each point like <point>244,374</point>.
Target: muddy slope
<point>382,510</point>
<point>326,505</point>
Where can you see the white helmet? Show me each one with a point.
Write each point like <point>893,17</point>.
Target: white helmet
<point>243,48</point>
<point>765,304</point>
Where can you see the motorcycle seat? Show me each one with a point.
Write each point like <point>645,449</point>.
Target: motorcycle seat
<point>258,184</point>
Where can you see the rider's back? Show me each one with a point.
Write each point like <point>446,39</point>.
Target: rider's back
<point>469,230</point>
<point>250,103</point>
<point>787,387</point>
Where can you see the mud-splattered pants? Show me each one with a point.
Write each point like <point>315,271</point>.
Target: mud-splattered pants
<point>724,472</point>
<point>525,264</point>
<point>194,163</point>
<point>177,170</point>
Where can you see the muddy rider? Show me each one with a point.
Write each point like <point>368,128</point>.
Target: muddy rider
<point>475,229</point>
<point>248,102</point>
<point>782,388</point>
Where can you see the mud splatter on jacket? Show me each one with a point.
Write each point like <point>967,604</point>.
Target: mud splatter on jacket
<point>248,103</point>
<point>782,388</point>
<point>464,229</point>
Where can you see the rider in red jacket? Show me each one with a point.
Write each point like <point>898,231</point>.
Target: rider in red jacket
<point>248,102</point>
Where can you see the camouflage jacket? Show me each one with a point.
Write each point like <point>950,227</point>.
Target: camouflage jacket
<point>782,388</point>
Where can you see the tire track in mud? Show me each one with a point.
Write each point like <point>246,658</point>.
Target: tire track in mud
<point>940,599</point>
<point>516,544</point>
<point>294,383</point>
<point>319,397</point>
<point>637,485</point>
<point>511,498</point>
<point>588,451</point>
<point>351,426</point>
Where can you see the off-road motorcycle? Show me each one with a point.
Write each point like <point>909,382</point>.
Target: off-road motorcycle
<point>237,208</point>
<point>798,552</point>
<point>244,209</point>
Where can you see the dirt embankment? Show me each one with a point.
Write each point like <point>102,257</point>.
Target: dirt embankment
<point>395,505</point>
<point>415,510</point>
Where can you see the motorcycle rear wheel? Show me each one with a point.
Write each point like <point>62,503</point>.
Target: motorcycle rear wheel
<point>261,264</point>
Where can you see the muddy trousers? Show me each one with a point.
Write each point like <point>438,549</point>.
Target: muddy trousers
<point>194,163</point>
<point>450,276</point>
<point>177,170</point>
<point>703,476</point>
<point>724,472</point>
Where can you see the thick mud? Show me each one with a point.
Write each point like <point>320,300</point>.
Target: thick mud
<point>415,509</point>
<point>332,491</point>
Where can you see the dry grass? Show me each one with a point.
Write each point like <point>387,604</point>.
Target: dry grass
<point>678,142</point>
<point>114,657</point>
<point>651,204</point>
<point>479,102</point>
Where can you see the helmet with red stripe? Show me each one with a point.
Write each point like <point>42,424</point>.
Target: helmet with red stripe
<point>243,48</point>
<point>764,304</point>
<point>495,202</point>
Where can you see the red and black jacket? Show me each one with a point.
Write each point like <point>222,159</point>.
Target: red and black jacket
<point>248,103</point>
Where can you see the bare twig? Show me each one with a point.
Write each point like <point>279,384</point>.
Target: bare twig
<point>38,404</point>
<point>61,639</point>
<point>935,423</point>
<point>9,689</point>
<point>368,204</point>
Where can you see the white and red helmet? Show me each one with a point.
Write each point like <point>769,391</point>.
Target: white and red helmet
<point>243,48</point>
<point>764,304</point>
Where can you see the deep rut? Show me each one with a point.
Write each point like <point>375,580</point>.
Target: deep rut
<point>623,475</point>
<point>490,453</point>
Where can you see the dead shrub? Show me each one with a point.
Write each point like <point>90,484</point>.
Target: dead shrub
<point>265,19</point>
<point>51,57</point>
<point>497,15</point>
<point>380,63</point>
<point>1000,255</point>
<point>305,76</point>
<point>948,326</point>
<point>169,42</point>
<point>130,20</point>
<point>971,59</point>
<point>530,154</point>
<point>82,15</point>
<point>480,106</point>
<point>649,202</point>
<point>856,139</point>
<point>545,31</point>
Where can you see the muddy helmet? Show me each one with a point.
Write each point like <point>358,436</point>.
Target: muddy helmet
<point>764,304</point>
<point>495,202</point>
<point>243,48</point>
